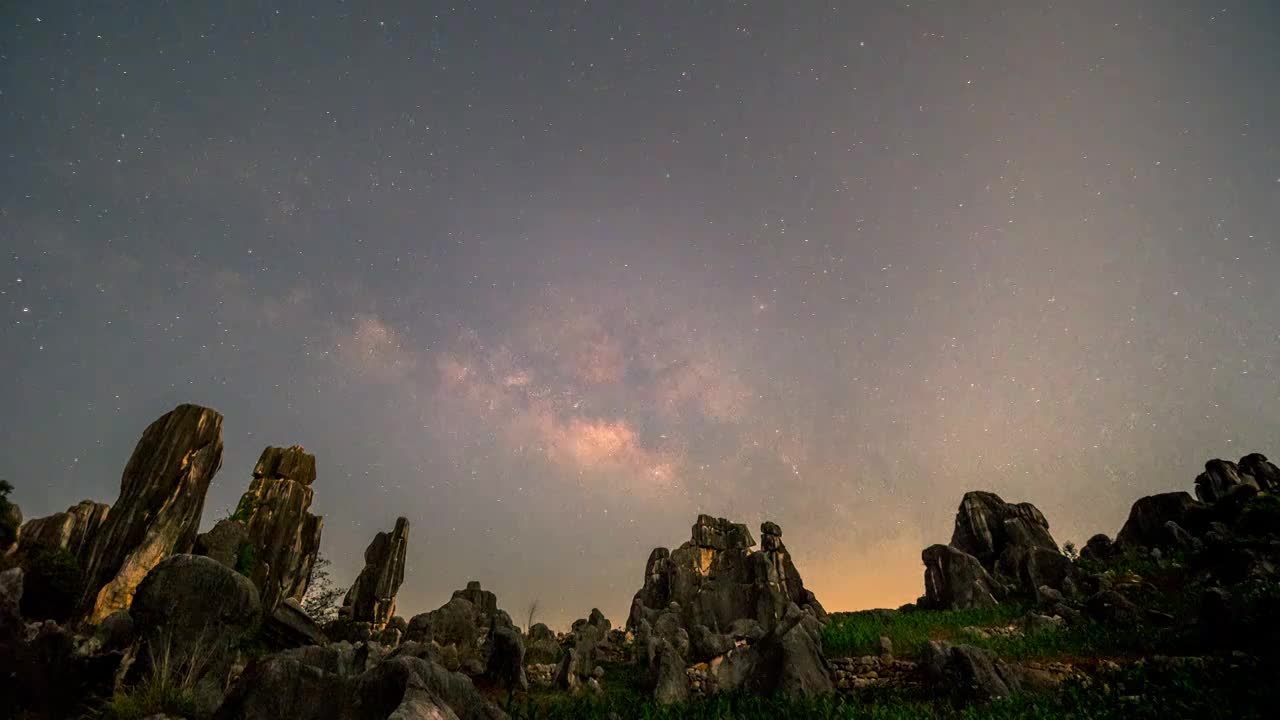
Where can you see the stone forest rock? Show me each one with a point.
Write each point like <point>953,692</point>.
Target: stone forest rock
<point>372,597</point>
<point>462,628</point>
<point>1218,477</point>
<point>162,494</point>
<point>541,646</point>
<point>223,542</point>
<point>1010,542</point>
<point>506,660</point>
<point>1265,474</point>
<point>969,672</point>
<point>319,684</point>
<point>671,684</point>
<point>954,579</point>
<point>284,535</point>
<point>1146,524</point>
<point>589,635</point>
<point>72,530</point>
<point>716,578</point>
<point>193,612</point>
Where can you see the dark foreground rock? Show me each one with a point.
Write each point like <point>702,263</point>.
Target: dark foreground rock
<point>321,684</point>
<point>372,597</point>
<point>193,613</point>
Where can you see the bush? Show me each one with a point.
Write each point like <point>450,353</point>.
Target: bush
<point>52,582</point>
<point>246,559</point>
<point>8,516</point>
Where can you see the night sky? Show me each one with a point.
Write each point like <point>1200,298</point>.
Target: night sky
<point>551,278</point>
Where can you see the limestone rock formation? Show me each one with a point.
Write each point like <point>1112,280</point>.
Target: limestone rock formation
<point>162,494</point>
<point>716,578</point>
<point>284,535</point>
<point>224,542</point>
<point>997,549</point>
<point>72,530</point>
<point>463,628</point>
<point>1265,474</point>
<point>968,671</point>
<point>955,579</point>
<point>1218,477</point>
<point>194,612</point>
<point>589,634</point>
<point>506,659</point>
<point>372,597</point>
<point>1146,524</point>
<point>540,645</point>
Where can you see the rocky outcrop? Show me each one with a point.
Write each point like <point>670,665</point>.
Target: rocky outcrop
<point>462,628</point>
<point>372,597</point>
<point>284,534</point>
<point>506,660</point>
<point>325,684</point>
<point>71,530</point>
<point>1218,478</point>
<point>998,550</point>
<point>162,494</point>
<point>540,645</point>
<point>1265,474</point>
<point>1148,516</point>
<point>787,659</point>
<point>589,635</point>
<point>716,578</point>
<point>193,613</point>
<point>955,579</point>
<point>969,672</point>
<point>225,542</point>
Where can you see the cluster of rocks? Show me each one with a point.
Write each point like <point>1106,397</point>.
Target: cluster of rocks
<point>742,618</point>
<point>998,551</point>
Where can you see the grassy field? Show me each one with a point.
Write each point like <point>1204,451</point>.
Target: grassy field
<point>858,633</point>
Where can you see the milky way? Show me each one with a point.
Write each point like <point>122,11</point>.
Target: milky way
<point>551,278</point>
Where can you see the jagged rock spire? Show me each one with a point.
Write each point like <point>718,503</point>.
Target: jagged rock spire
<point>372,597</point>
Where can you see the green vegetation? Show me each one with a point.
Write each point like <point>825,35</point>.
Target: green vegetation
<point>858,633</point>
<point>244,509</point>
<point>1139,692</point>
<point>8,518</point>
<point>52,581</point>
<point>246,559</point>
<point>167,688</point>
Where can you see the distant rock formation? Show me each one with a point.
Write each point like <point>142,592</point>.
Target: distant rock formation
<point>462,628</point>
<point>716,578</point>
<point>72,530</point>
<point>744,613</point>
<point>997,550</point>
<point>162,494</point>
<point>577,665</point>
<point>284,535</point>
<point>372,597</point>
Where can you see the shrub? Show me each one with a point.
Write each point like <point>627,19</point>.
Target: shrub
<point>246,559</point>
<point>52,582</point>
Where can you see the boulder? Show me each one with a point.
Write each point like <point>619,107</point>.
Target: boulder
<point>506,660</point>
<point>1097,548</point>
<point>193,613</point>
<point>284,534</point>
<point>577,664</point>
<point>1146,524</point>
<point>162,494</point>
<point>311,686</point>
<point>1218,477</point>
<point>289,626</point>
<point>71,530</point>
<point>372,597</point>
<point>968,672</point>
<point>705,644</point>
<point>954,580</point>
<point>541,647</point>
<point>671,684</point>
<point>1265,474</point>
<point>223,542</point>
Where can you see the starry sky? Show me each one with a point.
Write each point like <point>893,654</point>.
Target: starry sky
<point>552,278</point>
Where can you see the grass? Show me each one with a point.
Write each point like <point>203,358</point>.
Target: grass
<point>1139,692</point>
<point>166,688</point>
<point>858,633</point>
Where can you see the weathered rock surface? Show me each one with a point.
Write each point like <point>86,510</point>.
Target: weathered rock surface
<point>223,542</point>
<point>1010,542</point>
<point>541,647</point>
<point>506,660</point>
<point>716,578</point>
<point>1218,477</point>
<point>288,626</point>
<point>589,635</point>
<point>1146,524</point>
<point>969,672</point>
<point>372,597</point>
<point>462,628</point>
<point>285,536</point>
<point>327,684</point>
<point>192,613</point>
<point>162,494</point>
<point>1265,474</point>
<point>71,530</point>
<point>955,579</point>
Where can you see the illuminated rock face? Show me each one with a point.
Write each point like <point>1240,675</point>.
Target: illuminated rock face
<point>284,535</point>
<point>716,578</point>
<point>372,597</point>
<point>162,494</point>
<point>72,530</point>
